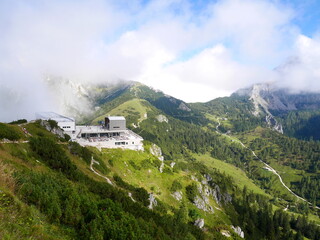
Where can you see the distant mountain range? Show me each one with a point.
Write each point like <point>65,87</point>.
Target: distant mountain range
<point>291,113</point>
<point>224,169</point>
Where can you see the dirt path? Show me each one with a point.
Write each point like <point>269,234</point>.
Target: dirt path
<point>92,169</point>
<point>268,167</point>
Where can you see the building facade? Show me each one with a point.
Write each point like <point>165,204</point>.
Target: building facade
<point>66,123</point>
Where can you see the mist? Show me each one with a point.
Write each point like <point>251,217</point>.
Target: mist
<point>193,51</point>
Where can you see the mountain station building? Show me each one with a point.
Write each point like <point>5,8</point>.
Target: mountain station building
<point>112,134</point>
<point>66,123</point>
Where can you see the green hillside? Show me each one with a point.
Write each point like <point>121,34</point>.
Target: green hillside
<point>204,175</point>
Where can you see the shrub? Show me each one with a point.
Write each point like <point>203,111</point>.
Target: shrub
<point>176,186</point>
<point>191,191</point>
<point>8,132</point>
<point>53,154</point>
<point>20,121</point>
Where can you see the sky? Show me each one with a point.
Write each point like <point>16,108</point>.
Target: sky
<point>193,50</point>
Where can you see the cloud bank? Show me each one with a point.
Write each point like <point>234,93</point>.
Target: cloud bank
<point>192,50</point>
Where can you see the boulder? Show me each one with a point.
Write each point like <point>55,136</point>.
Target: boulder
<point>199,223</point>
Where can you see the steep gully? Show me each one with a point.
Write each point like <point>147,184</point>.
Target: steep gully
<point>267,166</point>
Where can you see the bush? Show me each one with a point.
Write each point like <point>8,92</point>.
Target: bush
<point>191,191</point>
<point>53,124</point>
<point>20,121</point>
<point>8,132</point>
<point>76,149</point>
<point>52,154</point>
<point>67,137</point>
<point>176,186</point>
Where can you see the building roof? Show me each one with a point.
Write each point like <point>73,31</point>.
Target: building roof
<point>116,118</point>
<point>53,116</point>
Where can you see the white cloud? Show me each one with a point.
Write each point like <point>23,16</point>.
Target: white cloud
<point>192,54</point>
<point>303,72</point>
<point>258,29</point>
<point>213,69</point>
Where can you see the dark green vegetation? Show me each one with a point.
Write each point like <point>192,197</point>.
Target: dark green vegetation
<point>256,215</point>
<point>301,124</point>
<point>191,129</point>
<point>51,177</point>
<point>9,132</point>
<point>235,110</point>
<point>82,207</point>
<point>296,154</point>
<point>20,121</point>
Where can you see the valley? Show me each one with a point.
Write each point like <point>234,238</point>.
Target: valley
<point>208,171</point>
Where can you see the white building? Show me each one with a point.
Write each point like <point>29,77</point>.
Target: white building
<point>66,123</point>
<point>113,134</point>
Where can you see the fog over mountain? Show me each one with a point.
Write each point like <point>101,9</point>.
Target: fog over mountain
<point>193,51</point>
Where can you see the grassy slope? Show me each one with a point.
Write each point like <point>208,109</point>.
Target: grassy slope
<point>288,174</point>
<point>149,177</point>
<point>139,107</point>
<point>238,175</point>
<point>134,110</point>
<point>18,220</point>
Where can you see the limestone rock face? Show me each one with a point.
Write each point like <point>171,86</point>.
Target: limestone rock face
<point>57,131</point>
<point>199,223</point>
<point>184,107</point>
<point>207,190</point>
<point>238,231</point>
<point>177,195</point>
<point>272,98</point>
<point>162,118</point>
<point>156,151</point>
<point>152,200</point>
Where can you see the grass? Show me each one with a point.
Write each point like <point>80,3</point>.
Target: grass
<point>20,221</point>
<point>150,178</point>
<point>135,107</point>
<point>239,176</point>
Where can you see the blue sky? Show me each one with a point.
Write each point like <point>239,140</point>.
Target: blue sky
<point>307,15</point>
<point>193,50</point>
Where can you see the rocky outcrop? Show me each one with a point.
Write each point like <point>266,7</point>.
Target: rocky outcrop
<point>225,233</point>
<point>55,130</point>
<point>156,151</point>
<point>184,107</point>
<point>207,188</point>
<point>261,105</point>
<point>152,201</point>
<point>238,231</point>
<point>270,99</point>
<point>162,118</point>
<point>259,96</point>
<point>199,223</point>
<point>177,195</point>
<point>202,203</point>
<point>214,190</point>
<point>220,197</point>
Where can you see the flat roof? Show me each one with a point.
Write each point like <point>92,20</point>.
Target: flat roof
<point>96,129</point>
<point>116,118</point>
<point>53,116</point>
